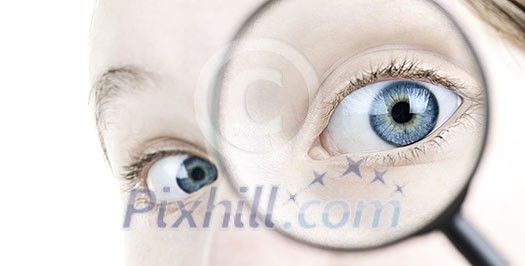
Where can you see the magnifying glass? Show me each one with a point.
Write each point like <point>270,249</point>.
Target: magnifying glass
<point>354,124</point>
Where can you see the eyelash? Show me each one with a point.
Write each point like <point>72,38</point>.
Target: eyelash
<point>410,70</point>
<point>406,69</point>
<point>132,173</point>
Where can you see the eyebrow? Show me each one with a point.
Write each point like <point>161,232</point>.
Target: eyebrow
<point>108,86</point>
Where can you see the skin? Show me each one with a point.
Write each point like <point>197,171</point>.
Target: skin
<point>158,111</point>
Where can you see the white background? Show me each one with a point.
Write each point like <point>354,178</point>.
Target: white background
<point>59,202</point>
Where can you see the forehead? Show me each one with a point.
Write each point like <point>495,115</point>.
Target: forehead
<point>168,36</point>
<point>162,36</point>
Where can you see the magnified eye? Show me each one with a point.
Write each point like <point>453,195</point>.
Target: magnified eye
<point>175,177</point>
<point>389,114</point>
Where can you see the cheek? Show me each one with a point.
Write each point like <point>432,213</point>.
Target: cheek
<point>262,247</point>
<point>168,237</point>
<point>146,244</point>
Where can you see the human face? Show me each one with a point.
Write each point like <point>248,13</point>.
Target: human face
<point>156,54</point>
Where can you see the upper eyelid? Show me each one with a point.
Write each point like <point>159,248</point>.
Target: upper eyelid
<point>132,174</point>
<point>407,69</point>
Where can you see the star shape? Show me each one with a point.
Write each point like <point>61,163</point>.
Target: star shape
<point>353,167</point>
<point>318,178</point>
<point>399,188</point>
<point>292,197</point>
<point>378,177</point>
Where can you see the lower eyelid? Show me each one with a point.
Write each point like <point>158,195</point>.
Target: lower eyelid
<point>170,207</point>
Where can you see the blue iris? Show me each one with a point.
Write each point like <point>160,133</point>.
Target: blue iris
<point>195,173</point>
<point>403,112</point>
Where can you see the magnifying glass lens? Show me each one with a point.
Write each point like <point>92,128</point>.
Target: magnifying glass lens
<point>354,124</point>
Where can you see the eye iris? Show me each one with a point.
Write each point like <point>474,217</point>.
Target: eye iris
<point>195,173</point>
<point>404,113</point>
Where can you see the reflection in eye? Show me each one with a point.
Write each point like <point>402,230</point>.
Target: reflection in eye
<point>175,177</point>
<point>389,114</point>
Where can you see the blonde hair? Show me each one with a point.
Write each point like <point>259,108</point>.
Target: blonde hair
<point>506,16</point>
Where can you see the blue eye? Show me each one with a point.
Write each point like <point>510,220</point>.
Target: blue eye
<point>194,174</point>
<point>404,113</point>
<point>175,177</point>
<point>389,114</point>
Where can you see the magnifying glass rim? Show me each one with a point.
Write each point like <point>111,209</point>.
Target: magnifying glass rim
<point>438,222</point>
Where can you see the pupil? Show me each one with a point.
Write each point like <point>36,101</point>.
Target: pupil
<point>401,112</point>
<point>197,174</point>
